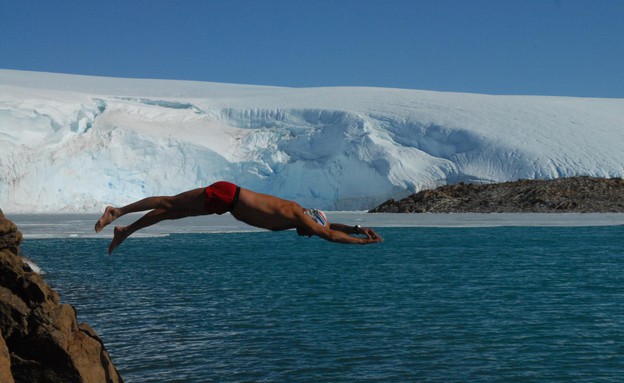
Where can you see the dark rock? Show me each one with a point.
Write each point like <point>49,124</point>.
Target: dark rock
<point>5,363</point>
<point>562,195</point>
<point>41,338</point>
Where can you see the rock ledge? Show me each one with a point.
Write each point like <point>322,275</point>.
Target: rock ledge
<point>40,338</point>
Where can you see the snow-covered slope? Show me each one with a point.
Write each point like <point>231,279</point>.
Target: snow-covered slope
<point>77,143</point>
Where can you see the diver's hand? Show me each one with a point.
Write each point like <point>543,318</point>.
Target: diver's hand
<point>370,234</point>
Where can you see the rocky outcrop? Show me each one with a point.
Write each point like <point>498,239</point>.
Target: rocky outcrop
<point>41,340</point>
<point>563,195</point>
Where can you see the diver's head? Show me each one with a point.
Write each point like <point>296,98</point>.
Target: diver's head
<point>318,217</point>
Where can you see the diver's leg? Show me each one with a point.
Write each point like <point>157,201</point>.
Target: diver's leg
<point>153,217</point>
<point>189,201</point>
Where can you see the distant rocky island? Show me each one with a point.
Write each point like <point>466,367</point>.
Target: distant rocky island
<point>562,195</point>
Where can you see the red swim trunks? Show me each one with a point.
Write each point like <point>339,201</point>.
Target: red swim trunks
<point>221,197</point>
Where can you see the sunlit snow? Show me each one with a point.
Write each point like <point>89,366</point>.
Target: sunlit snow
<point>75,143</point>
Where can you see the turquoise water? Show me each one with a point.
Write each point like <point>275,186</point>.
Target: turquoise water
<point>506,304</point>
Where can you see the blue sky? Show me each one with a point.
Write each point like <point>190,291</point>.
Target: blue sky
<point>542,47</point>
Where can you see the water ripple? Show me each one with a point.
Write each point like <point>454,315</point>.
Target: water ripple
<point>429,304</point>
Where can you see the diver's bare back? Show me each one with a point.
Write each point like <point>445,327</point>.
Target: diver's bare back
<point>266,211</point>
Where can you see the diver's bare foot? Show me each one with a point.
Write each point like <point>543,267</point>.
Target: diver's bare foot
<point>110,214</point>
<point>119,235</point>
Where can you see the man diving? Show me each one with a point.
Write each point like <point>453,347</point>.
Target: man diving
<point>255,209</point>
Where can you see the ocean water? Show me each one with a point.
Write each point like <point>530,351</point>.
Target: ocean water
<point>472,302</point>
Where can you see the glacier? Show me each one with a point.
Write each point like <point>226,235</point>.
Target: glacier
<point>71,143</point>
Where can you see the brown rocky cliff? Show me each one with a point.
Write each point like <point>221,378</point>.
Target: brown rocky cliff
<point>41,340</point>
<point>562,195</point>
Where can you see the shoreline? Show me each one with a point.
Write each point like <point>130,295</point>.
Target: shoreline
<point>47,226</point>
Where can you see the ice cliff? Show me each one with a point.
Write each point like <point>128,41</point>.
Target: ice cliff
<point>77,143</point>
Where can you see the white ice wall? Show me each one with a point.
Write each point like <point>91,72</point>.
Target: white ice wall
<point>76,143</point>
